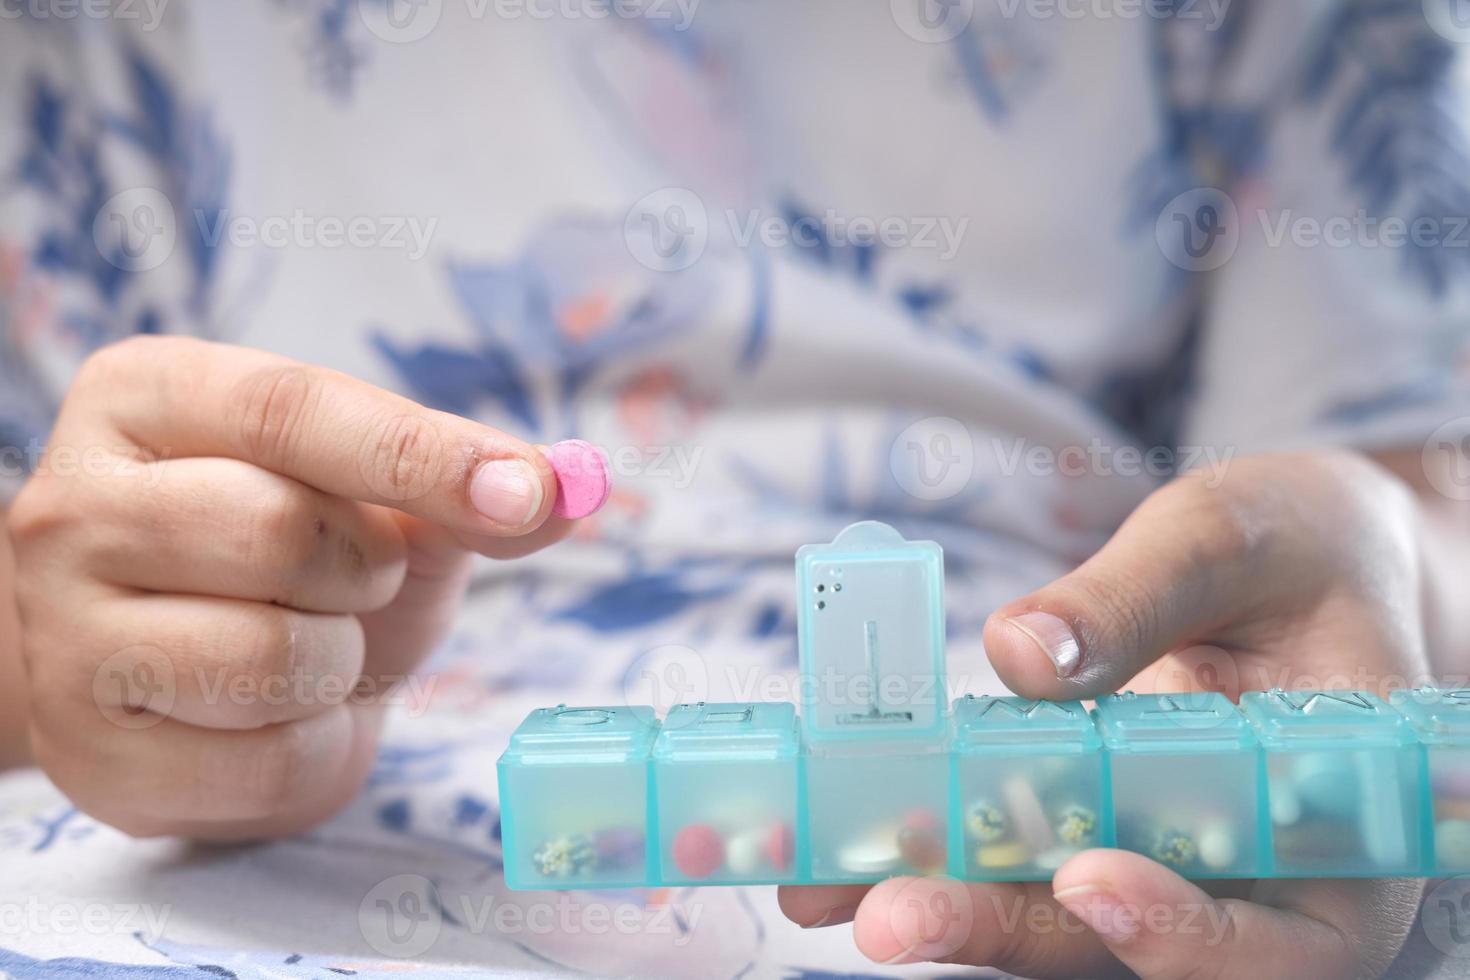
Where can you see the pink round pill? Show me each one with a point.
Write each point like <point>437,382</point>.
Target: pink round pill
<point>779,846</point>
<point>582,481</point>
<point>699,850</point>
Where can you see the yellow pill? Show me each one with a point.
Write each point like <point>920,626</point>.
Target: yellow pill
<point>1006,855</point>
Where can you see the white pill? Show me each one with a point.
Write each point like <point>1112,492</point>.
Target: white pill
<point>1217,846</point>
<point>871,856</point>
<point>1452,843</point>
<point>743,854</point>
<point>1054,858</point>
<point>1286,806</point>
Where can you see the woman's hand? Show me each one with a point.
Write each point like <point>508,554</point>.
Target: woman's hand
<point>225,561</point>
<point>1295,571</point>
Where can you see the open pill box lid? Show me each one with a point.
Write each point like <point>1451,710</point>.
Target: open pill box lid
<point>870,637</point>
<point>562,735</point>
<point>1011,725</point>
<point>1345,719</point>
<point>728,732</point>
<point>1440,717</point>
<point>1203,721</point>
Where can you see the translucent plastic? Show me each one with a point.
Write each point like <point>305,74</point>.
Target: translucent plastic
<point>726,780</point>
<point>880,776</point>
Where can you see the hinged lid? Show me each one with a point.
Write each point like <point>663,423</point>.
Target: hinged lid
<point>1204,721</point>
<point>568,735</point>
<point>1290,718</point>
<point>1439,716</point>
<point>981,723</point>
<point>870,610</point>
<point>710,732</point>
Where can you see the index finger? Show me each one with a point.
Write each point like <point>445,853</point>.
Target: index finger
<point>182,397</point>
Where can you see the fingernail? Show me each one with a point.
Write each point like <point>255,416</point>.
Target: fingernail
<point>1054,637</point>
<point>1101,912</point>
<point>835,916</point>
<point>507,491</point>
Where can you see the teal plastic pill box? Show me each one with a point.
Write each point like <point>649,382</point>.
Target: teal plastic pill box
<point>881,774</point>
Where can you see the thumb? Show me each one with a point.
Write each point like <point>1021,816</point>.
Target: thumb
<point>1181,569</point>
<point>1161,926</point>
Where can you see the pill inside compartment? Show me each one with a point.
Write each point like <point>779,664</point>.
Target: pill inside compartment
<point>574,792</point>
<point>726,777</point>
<point>1343,776</point>
<point>877,811</point>
<point>1441,720</point>
<point>1028,786</point>
<point>873,713</point>
<point>1185,772</point>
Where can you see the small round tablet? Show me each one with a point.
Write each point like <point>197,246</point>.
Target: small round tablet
<point>582,480</point>
<point>874,855</point>
<point>698,850</point>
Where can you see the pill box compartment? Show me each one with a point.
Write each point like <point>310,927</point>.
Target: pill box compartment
<point>1441,720</point>
<point>1028,787</point>
<point>1186,781</point>
<point>876,810</point>
<point>1343,770</point>
<point>726,779</point>
<point>870,627</point>
<point>579,781</point>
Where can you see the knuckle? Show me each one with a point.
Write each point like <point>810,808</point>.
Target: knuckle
<point>401,458</point>
<point>119,362</point>
<point>274,650</point>
<point>34,513</point>
<point>1218,522</point>
<point>281,766</point>
<point>285,534</point>
<point>274,405</point>
<point>106,364</point>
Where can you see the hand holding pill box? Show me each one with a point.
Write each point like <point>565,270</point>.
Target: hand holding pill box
<point>881,775</point>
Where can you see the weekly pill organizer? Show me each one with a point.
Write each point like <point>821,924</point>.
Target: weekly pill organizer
<point>881,775</point>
